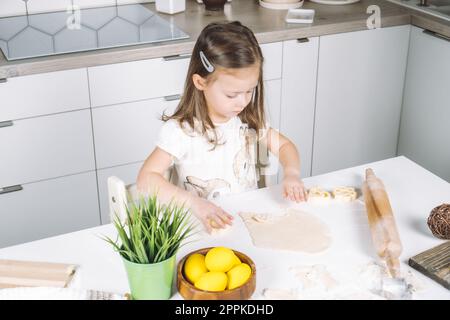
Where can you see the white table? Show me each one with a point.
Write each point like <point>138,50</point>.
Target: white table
<point>413,192</point>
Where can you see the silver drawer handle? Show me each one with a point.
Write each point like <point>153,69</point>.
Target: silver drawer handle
<point>3,80</point>
<point>436,35</point>
<point>173,97</point>
<point>6,124</point>
<point>11,189</point>
<point>302,40</point>
<point>177,57</point>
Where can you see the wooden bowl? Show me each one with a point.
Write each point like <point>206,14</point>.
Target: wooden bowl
<point>189,292</point>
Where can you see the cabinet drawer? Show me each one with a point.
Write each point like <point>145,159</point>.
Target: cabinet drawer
<point>137,80</point>
<point>127,173</point>
<point>48,208</point>
<point>273,54</point>
<point>127,133</point>
<point>46,147</point>
<point>34,95</point>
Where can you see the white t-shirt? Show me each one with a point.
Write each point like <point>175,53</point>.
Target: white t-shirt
<point>207,172</point>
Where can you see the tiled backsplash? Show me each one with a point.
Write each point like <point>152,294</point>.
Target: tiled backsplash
<point>19,7</point>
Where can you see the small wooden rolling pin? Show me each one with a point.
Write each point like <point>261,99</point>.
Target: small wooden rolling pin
<point>382,223</point>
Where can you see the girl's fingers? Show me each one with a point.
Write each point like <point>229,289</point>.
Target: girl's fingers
<point>297,195</point>
<point>301,194</point>
<point>304,194</point>
<point>226,217</point>
<point>291,195</point>
<point>218,220</point>
<point>207,225</point>
<point>229,216</point>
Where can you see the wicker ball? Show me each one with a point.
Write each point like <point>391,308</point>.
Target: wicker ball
<point>439,221</point>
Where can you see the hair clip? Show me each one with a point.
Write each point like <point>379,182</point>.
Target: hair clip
<point>208,66</point>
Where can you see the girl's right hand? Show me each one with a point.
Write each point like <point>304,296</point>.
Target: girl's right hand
<point>208,213</point>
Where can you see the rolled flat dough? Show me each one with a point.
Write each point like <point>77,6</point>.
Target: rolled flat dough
<point>295,230</point>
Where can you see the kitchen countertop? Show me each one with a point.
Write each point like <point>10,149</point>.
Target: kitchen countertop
<point>268,25</point>
<point>413,192</point>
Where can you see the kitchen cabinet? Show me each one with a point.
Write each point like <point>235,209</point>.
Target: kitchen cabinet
<point>42,94</point>
<point>127,132</point>
<point>425,123</point>
<point>359,97</point>
<point>48,208</point>
<point>298,96</point>
<point>46,151</point>
<point>137,80</point>
<point>46,147</point>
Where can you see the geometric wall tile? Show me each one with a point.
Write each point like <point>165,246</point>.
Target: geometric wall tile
<point>3,48</point>
<point>152,30</point>
<point>97,17</point>
<point>11,26</point>
<point>118,32</point>
<point>72,40</point>
<point>133,14</point>
<point>30,42</point>
<point>48,33</point>
<point>49,22</point>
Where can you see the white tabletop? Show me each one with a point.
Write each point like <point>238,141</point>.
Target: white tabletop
<point>413,192</point>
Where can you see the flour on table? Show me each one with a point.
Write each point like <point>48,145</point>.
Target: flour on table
<point>367,282</point>
<point>295,230</point>
<point>314,276</point>
<point>280,294</point>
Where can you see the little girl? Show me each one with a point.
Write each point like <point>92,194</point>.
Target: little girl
<point>218,139</point>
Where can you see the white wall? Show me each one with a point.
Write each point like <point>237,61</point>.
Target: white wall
<point>17,7</point>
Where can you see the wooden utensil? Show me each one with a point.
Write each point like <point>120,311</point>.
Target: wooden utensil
<point>434,263</point>
<point>382,223</point>
<point>16,273</point>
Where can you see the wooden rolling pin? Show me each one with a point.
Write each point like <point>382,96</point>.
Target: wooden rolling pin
<point>382,223</point>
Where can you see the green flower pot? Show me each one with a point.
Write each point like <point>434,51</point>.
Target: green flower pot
<point>151,281</point>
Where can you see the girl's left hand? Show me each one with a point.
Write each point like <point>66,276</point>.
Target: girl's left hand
<point>293,189</point>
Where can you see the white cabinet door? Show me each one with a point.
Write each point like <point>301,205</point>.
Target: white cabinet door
<point>298,96</point>
<point>48,208</point>
<point>359,97</point>
<point>272,90</point>
<point>127,133</point>
<point>46,147</point>
<point>137,80</point>
<point>425,124</point>
<point>34,95</point>
<point>272,102</point>
<point>273,54</point>
<point>127,173</point>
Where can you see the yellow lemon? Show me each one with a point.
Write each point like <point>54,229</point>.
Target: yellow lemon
<point>212,281</point>
<point>220,259</point>
<point>238,275</point>
<point>194,267</point>
<point>236,260</point>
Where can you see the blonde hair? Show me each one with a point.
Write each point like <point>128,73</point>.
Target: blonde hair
<point>229,45</point>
